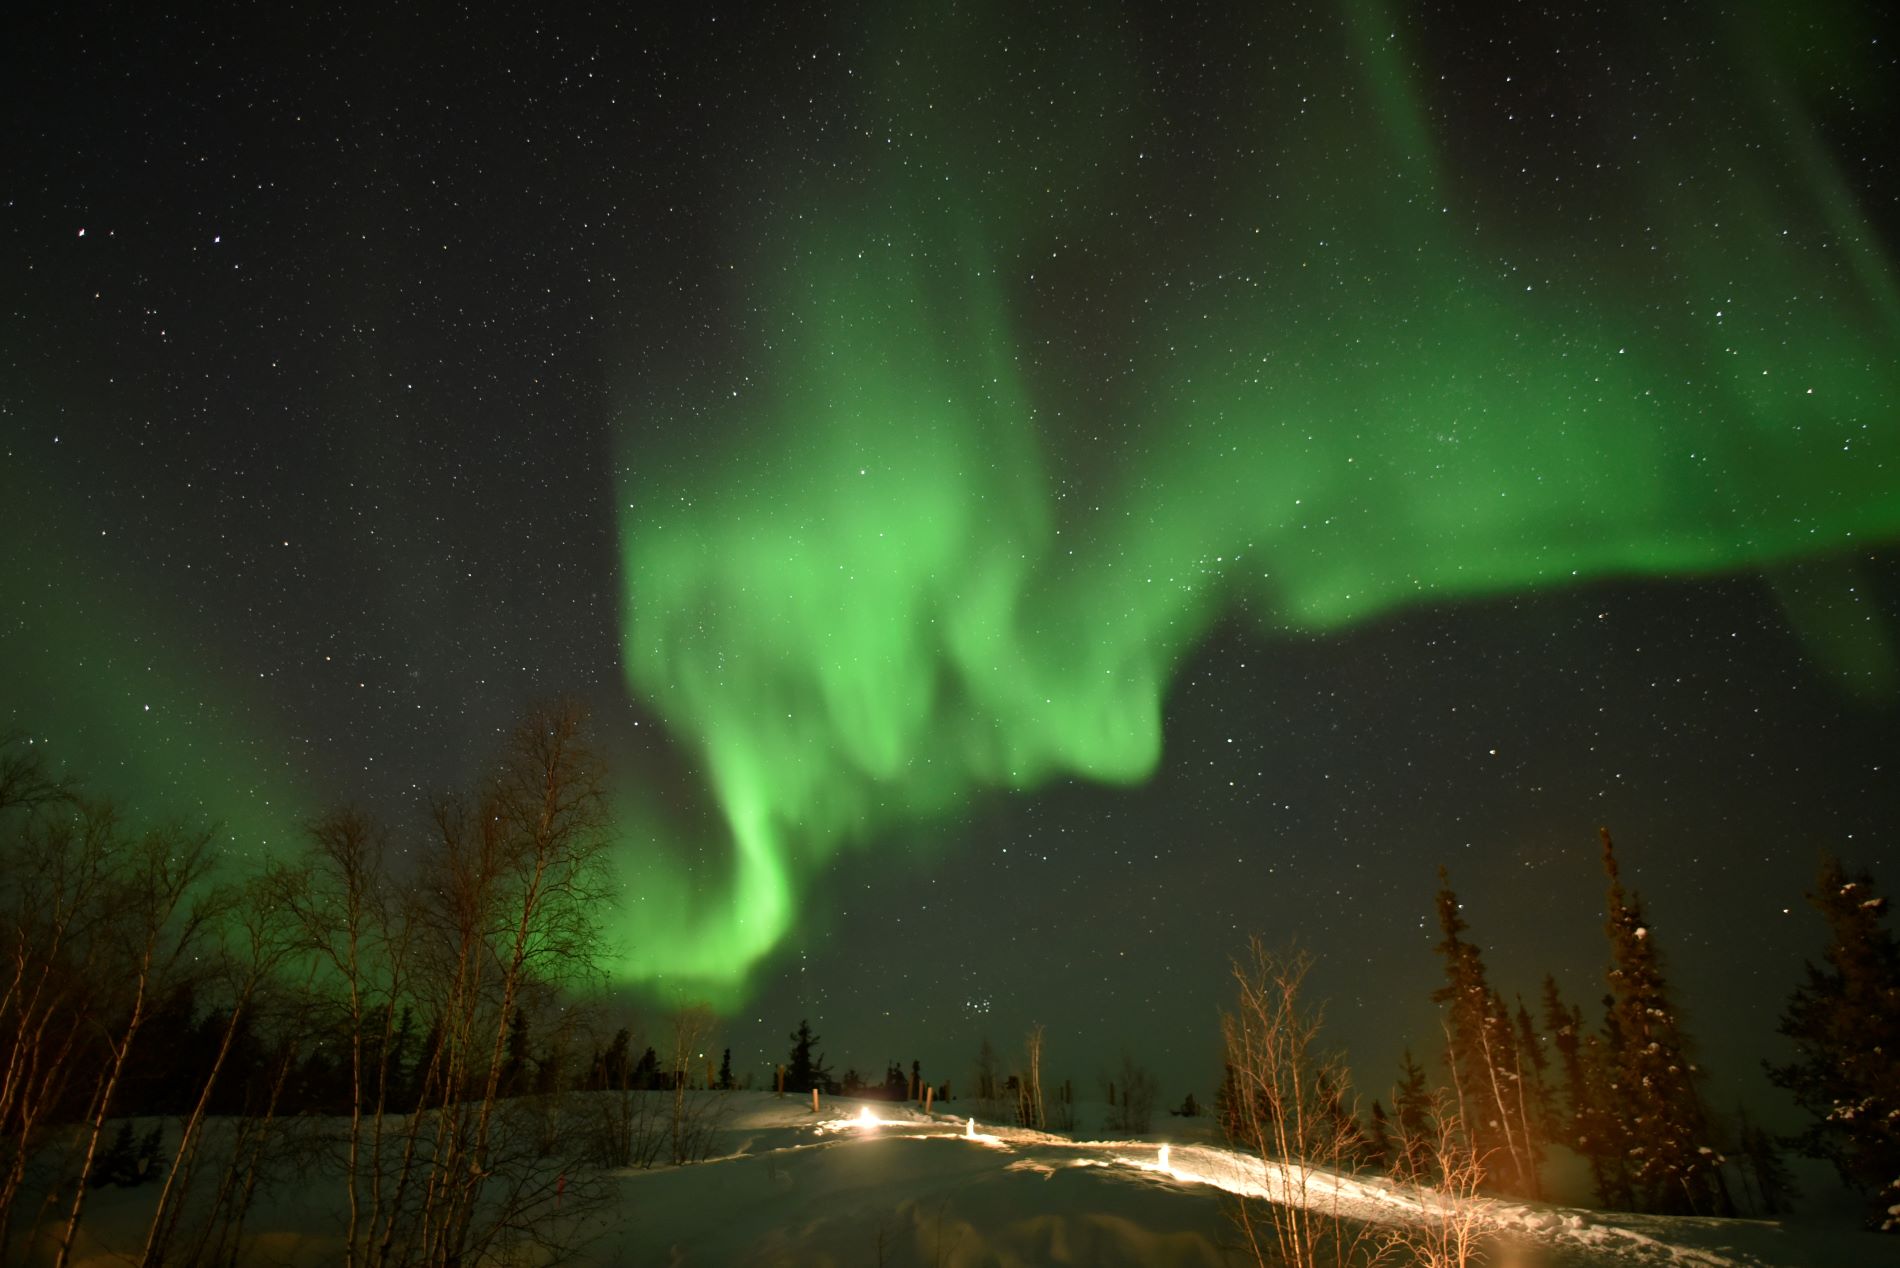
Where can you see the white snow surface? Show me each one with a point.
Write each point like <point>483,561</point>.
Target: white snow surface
<point>790,1187</point>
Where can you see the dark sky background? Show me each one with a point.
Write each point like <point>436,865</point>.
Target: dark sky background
<point>336,345</point>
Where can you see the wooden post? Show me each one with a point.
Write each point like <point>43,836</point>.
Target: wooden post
<point>814,1100</point>
<point>928,1091</point>
<point>781,1082</point>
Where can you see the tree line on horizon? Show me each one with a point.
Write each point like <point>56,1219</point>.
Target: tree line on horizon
<point>416,1016</point>
<point>1622,1089</point>
<point>410,1017</point>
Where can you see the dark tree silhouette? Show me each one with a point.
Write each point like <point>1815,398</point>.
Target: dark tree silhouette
<point>1844,1021</point>
<point>1481,1054</point>
<point>1654,1084</point>
<point>806,1069</point>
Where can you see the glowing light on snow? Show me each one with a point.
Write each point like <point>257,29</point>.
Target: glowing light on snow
<point>1161,1160</point>
<point>867,1119</point>
<point>982,1138</point>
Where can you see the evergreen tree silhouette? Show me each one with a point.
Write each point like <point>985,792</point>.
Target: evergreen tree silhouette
<point>806,1068</point>
<point>1378,1139</point>
<point>516,1059</point>
<point>1536,1068</point>
<point>1762,1167</point>
<point>1673,1164</point>
<point>1845,1024</point>
<point>1481,1055</point>
<point>1412,1102</point>
<point>646,1075</point>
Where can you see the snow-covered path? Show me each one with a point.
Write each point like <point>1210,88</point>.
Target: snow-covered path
<point>898,1189</point>
<point>875,1183</point>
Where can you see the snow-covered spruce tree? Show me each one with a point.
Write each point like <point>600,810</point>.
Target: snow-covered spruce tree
<point>1584,1121</point>
<point>1535,1059</point>
<point>1654,1084</point>
<point>1481,1054</point>
<point>1564,1026</point>
<point>1845,1024</point>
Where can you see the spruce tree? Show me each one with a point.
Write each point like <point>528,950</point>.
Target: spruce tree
<point>1228,1106</point>
<point>1379,1139</point>
<point>1583,1121</point>
<point>1674,1166</point>
<point>1536,1065</point>
<point>1412,1097</point>
<point>646,1076</point>
<point>1482,1058</point>
<point>806,1069</point>
<point>725,1072</point>
<point>1845,1024</point>
<point>614,1067</point>
<point>517,1058</point>
<point>986,1071</point>
<point>117,1164</point>
<point>1412,1102</point>
<point>1604,1121</point>
<point>1761,1166</point>
<point>1565,1028</point>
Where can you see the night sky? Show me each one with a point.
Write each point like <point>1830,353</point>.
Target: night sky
<point>1029,500</point>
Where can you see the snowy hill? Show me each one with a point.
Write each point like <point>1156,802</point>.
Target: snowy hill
<point>869,1182</point>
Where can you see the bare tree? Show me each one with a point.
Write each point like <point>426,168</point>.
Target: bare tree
<point>253,1154</point>
<point>1033,1115</point>
<point>623,1131</point>
<point>252,942</point>
<point>518,885</point>
<point>161,909</point>
<point>53,889</point>
<point>1132,1098</point>
<point>1282,1097</point>
<point>341,898</point>
<point>1441,1169</point>
<point>25,782</point>
<point>986,1082</point>
<point>691,1026</point>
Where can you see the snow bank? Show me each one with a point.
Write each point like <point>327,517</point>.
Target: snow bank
<point>869,1182</point>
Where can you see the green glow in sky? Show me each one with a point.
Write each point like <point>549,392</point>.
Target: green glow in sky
<point>917,568</point>
<point>104,677</point>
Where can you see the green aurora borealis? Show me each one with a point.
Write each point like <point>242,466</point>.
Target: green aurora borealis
<point>1373,380</point>
<point>889,405</point>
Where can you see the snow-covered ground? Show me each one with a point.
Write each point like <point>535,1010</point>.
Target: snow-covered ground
<point>869,1183</point>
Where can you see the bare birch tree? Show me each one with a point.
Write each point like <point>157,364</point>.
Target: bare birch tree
<point>160,911</point>
<point>52,887</point>
<point>691,1026</point>
<point>1284,1086</point>
<point>253,942</point>
<point>520,881</point>
<point>1439,1167</point>
<point>1033,1115</point>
